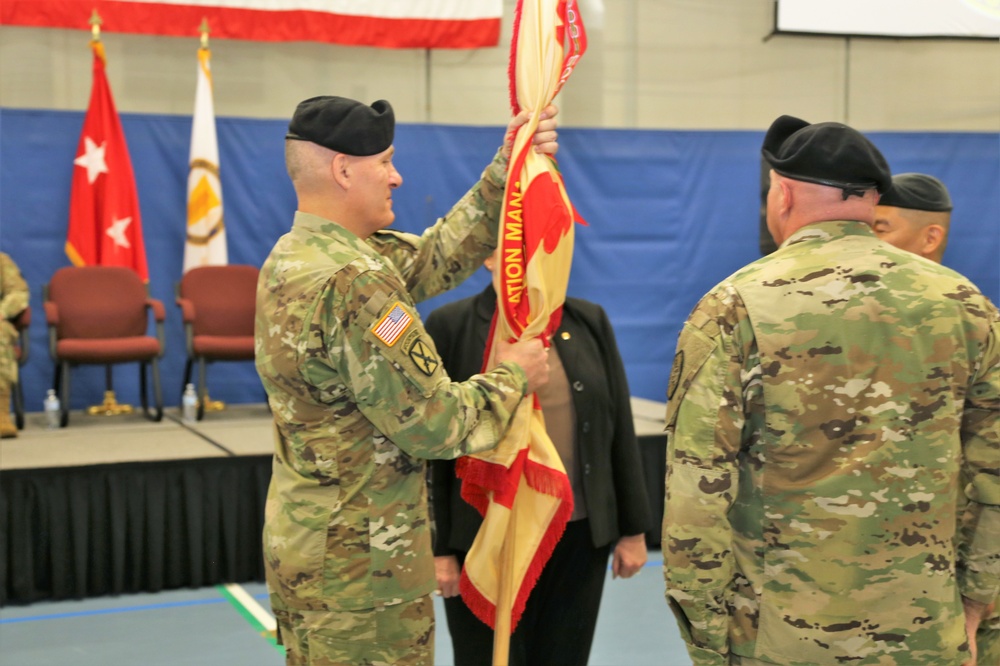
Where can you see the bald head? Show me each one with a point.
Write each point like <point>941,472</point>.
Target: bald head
<point>308,164</point>
<point>793,204</point>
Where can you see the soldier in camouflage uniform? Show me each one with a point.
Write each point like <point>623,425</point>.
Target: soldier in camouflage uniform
<point>821,403</point>
<point>13,301</point>
<point>915,215</point>
<point>358,392</point>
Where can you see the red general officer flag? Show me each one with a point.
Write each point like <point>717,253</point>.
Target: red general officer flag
<point>105,228</point>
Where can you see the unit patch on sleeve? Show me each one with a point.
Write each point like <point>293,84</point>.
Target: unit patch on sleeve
<point>423,357</point>
<point>675,373</point>
<point>392,325</point>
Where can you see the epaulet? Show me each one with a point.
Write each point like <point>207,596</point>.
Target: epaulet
<point>401,236</point>
<point>704,321</point>
<point>376,302</point>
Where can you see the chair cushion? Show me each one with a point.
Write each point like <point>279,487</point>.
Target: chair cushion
<point>116,350</point>
<point>223,299</point>
<point>223,347</point>
<point>99,302</point>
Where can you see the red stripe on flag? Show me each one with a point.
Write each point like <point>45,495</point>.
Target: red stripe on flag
<point>265,26</point>
<point>503,482</point>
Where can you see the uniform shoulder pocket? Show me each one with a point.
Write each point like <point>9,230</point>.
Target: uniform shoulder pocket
<point>697,341</point>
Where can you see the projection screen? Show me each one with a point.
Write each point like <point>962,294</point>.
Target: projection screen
<point>970,19</point>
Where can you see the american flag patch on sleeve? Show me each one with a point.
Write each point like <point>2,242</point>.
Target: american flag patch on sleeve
<point>392,325</point>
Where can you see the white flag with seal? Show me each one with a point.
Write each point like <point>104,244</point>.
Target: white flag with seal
<point>206,232</point>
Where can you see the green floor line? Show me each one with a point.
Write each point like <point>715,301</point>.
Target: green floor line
<point>250,618</point>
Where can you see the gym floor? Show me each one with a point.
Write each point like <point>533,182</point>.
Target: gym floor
<point>228,625</point>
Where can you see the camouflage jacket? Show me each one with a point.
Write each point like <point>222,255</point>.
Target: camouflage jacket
<point>821,403</point>
<point>359,397</point>
<point>13,301</point>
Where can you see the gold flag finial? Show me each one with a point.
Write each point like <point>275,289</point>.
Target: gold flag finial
<point>203,28</point>
<point>95,25</point>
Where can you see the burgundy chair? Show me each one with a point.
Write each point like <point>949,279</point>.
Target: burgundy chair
<point>98,315</point>
<point>21,322</point>
<point>217,304</point>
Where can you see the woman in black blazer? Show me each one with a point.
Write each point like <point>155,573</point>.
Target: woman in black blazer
<point>605,468</point>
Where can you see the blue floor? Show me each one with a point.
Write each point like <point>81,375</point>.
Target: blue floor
<point>207,627</point>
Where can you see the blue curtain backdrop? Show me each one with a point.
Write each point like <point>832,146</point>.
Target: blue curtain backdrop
<point>669,213</point>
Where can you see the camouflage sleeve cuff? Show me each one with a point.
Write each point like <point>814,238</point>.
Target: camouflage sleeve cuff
<point>978,571</point>
<point>505,386</point>
<point>494,178</point>
<point>520,377</point>
<point>703,657</point>
<point>702,619</point>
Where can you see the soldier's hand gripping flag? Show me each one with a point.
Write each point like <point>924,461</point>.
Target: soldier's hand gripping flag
<point>521,487</point>
<point>105,228</point>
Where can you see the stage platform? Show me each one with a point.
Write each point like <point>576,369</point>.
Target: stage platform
<point>120,504</point>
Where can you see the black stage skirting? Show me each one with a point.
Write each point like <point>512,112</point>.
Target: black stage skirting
<point>144,526</point>
<point>75,532</point>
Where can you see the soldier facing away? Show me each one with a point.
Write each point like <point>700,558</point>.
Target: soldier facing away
<point>821,403</point>
<point>915,215</point>
<point>358,392</point>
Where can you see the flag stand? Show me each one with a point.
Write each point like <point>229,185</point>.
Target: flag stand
<point>212,405</point>
<point>110,406</point>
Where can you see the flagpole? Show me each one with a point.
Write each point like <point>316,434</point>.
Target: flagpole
<point>110,406</point>
<point>95,26</point>
<point>505,601</point>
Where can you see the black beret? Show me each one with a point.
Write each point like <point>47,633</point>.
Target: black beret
<point>917,191</point>
<point>344,125</point>
<point>826,154</point>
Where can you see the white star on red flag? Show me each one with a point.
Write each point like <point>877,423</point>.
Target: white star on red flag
<point>117,232</point>
<point>92,159</point>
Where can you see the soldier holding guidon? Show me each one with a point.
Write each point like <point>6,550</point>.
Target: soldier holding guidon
<point>358,391</point>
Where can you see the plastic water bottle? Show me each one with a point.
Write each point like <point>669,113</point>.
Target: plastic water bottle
<point>189,405</point>
<point>52,415</point>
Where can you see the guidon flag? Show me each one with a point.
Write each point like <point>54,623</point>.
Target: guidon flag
<point>521,487</point>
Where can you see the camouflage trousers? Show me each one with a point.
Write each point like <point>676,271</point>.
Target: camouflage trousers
<point>8,362</point>
<point>397,635</point>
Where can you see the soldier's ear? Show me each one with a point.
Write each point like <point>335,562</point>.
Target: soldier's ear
<point>933,237</point>
<point>340,167</point>
<point>786,197</point>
